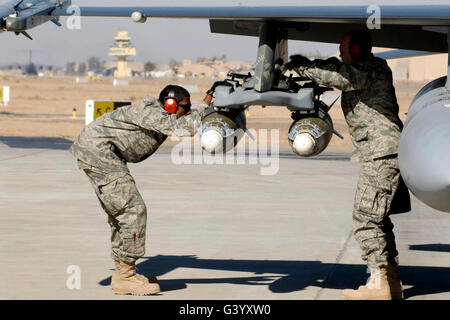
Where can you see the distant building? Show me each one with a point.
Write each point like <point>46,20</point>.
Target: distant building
<point>133,67</point>
<point>418,69</point>
<point>122,50</point>
<point>212,68</point>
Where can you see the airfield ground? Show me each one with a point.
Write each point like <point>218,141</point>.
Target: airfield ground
<point>231,233</point>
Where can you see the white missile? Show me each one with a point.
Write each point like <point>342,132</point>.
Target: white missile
<point>304,144</point>
<point>212,141</point>
<point>222,130</point>
<point>310,135</point>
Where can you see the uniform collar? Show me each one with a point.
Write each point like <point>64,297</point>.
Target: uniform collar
<point>368,58</point>
<point>149,100</point>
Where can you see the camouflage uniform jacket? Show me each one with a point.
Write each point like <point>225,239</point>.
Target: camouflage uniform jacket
<point>131,133</point>
<point>368,102</point>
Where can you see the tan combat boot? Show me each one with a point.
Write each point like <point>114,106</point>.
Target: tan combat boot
<point>125,280</point>
<point>116,273</point>
<point>377,288</point>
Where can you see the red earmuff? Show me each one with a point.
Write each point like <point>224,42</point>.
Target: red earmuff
<point>355,50</point>
<point>170,105</point>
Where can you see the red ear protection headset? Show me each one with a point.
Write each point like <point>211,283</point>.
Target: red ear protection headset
<point>171,102</point>
<point>355,49</point>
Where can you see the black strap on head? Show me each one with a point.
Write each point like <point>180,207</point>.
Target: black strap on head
<point>172,94</point>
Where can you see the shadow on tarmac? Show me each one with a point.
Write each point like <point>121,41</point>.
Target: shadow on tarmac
<point>36,142</point>
<point>436,247</point>
<point>322,156</point>
<point>64,144</point>
<point>281,155</point>
<point>6,113</point>
<point>290,276</point>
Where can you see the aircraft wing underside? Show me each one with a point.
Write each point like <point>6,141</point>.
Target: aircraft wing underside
<point>405,27</point>
<point>424,144</point>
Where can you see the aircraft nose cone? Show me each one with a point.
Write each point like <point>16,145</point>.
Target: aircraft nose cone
<point>212,141</point>
<point>304,144</point>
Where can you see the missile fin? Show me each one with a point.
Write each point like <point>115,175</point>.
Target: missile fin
<point>25,34</point>
<point>332,104</point>
<point>250,134</point>
<point>338,134</point>
<point>55,21</point>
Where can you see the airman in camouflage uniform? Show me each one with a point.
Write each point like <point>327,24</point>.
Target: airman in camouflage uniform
<point>103,149</point>
<point>371,112</point>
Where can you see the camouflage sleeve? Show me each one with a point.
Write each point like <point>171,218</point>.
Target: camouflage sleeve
<point>333,73</point>
<point>170,125</point>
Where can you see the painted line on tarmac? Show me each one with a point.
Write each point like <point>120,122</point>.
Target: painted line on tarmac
<point>336,263</point>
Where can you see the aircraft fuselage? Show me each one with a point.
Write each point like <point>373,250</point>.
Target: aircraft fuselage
<point>19,16</point>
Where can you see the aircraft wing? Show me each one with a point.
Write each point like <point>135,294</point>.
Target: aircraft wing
<point>411,27</point>
<point>429,15</point>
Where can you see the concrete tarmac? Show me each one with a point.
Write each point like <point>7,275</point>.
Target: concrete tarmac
<point>213,232</point>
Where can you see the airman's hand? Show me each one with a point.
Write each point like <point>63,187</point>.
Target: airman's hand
<point>216,84</point>
<point>297,61</point>
<point>208,99</point>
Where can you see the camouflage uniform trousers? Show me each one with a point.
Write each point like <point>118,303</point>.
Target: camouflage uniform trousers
<point>378,182</point>
<point>127,213</point>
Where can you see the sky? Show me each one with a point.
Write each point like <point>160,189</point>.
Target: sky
<point>158,40</point>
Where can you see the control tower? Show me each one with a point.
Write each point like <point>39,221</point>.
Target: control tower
<point>122,49</point>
